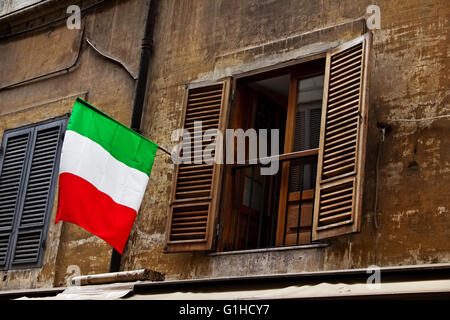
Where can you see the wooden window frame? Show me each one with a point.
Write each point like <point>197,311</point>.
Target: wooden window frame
<point>296,77</point>
<point>288,68</point>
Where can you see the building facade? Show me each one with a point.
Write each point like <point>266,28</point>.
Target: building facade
<point>235,64</point>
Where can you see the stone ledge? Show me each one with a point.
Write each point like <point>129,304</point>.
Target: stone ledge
<point>300,247</point>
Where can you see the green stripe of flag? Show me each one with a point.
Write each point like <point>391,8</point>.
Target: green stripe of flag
<point>121,142</point>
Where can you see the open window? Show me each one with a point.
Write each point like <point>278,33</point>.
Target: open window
<point>263,211</point>
<point>319,108</point>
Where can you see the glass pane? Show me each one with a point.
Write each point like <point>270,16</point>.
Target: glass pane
<point>308,113</point>
<point>307,129</point>
<point>255,184</point>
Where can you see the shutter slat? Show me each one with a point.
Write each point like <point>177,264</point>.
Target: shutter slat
<point>344,100</point>
<point>201,186</point>
<point>192,214</point>
<point>343,75</point>
<point>206,97</point>
<point>204,123</point>
<point>341,129</point>
<point>188,182</point>
<point>204,110</point>
<point>344,106</point>
<point>203,93</point>
<point>9,176</point>
<point>14,152</point>
<point>349,83</point>
<point>338,198</point>
<point>344,121</point>
<point>209,118</point>
<point>337,158</point>
<point>330,173</point>
<point>27,247</point>
<point>204,104</point>
<point>338,164</point>
<point>187,219</point>
<point>353,85</point>
<point>188,236</point>
<point>13,159</point>
<point>346,145</point>
<point>337,217</point>
<point>351,136</point>
<point>191,173</point>
<point>336,117</point>
<point>192,211</point>
<point>337,204</point>
<point>10,183</point>
<point>346,53</point>
<point>340,98</point>
<point>190,168</point>
<point>338,82</point>
<point>346,60</point>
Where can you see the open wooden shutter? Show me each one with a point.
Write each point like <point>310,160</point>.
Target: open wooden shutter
<point>195,194</point>
<point>338,197</point>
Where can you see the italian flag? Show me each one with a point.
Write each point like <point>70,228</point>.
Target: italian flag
<point>104,170</point>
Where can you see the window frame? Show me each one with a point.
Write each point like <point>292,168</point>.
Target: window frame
<point>32,130</point>
<point>282,213</point>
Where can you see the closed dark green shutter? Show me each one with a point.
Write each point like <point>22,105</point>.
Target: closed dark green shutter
<point>24,242</point>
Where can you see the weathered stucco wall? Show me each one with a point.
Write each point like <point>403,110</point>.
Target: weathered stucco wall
<point>198,40</point>
<point>101,82</point>
<point>8,6</point>
<point>221,38</point>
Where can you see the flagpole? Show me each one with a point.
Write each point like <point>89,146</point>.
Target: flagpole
<point>164,150</point>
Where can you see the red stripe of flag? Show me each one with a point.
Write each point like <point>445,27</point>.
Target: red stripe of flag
<point>83,204</point>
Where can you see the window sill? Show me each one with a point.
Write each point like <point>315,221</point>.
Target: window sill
<point>288,248</point>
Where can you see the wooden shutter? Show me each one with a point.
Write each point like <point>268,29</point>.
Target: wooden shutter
<point>14,150</point>
<point>338,197</point>
<point>27,183</point>
<point>37,195</point>
<point>194,205</point>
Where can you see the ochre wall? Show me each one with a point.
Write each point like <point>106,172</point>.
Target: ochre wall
<point>408,80</point>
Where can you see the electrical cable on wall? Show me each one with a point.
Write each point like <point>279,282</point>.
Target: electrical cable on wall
<point>379,151</point>
<point>110,57</point>
<point>375,205</point>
